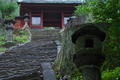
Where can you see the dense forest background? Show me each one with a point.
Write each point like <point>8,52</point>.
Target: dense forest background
<point>9,8</point>
<point>106,11</point>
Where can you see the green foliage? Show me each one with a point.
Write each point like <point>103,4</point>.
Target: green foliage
<point>100,11</point>
<point>105,11</point>
<point>77,78</point>
<point>2,49</point>
<point>2,41</point>
<point>20,36</point>
<point>7,8</point>
<point>58,76</point>
<point>76,75</point>
<point>20,39</point>
<point>111,74</point>
<point>106,75</point>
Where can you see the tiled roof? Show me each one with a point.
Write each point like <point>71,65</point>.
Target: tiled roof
<point>51,1</point>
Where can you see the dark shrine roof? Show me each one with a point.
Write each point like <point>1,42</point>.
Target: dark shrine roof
<point>50,1</point>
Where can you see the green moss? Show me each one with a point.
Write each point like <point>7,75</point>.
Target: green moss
<point>64,64</point>
<point>76,75</point>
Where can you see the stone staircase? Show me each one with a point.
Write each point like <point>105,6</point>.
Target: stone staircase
<point>24,62</point>
<point>47,34</point>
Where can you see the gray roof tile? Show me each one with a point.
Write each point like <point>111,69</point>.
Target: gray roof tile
<point>51,1</point>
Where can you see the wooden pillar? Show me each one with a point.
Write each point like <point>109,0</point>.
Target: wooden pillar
<point>62,20</point>
<point>30,20</point>
<point>41,20</point>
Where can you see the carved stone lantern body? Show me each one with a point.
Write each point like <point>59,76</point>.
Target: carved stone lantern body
<point>9,27</point>
<point>26,18</point>
<point>88,42</point>
<point>26,26</point>
<point>88,57</point>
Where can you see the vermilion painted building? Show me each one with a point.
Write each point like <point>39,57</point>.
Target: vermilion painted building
<point>46,13</point>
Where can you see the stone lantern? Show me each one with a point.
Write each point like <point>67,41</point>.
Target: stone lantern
<point>89,57</point>
<point>26,17</point>
<point>26,26</point>
<point>9,27</point>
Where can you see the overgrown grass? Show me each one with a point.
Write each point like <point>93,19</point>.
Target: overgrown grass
<point>18,38</point>
<point>2,41</point>
<point>3,49</point>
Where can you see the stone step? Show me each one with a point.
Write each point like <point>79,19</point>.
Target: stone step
<point>18,67</point>
<point>23,62</point>
<point>33,50</point>
<point>27,75</point>
<point>48,72</point>
<point>34,47</point>
<point>44,31</point>
<point>45,34</point>
<point>48,38</point>
<point>51,34</point>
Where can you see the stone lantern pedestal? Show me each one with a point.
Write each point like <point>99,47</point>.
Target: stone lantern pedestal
<point>89,63</point>
<point>89,57</point>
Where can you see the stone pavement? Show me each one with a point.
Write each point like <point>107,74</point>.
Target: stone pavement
<point>24,62</point>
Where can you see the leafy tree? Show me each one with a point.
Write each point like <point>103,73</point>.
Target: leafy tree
<point>7,8</point>
<point>105,11</point>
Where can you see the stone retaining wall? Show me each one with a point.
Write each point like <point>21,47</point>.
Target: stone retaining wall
<point>64,63</point>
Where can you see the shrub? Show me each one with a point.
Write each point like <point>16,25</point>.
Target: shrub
<point>111,74</point>
<point>20,36</point>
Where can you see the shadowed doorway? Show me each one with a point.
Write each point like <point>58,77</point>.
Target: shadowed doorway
<point>52,20</point>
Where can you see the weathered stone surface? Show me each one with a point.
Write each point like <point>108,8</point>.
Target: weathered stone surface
<point>64,62</point>
<point>8,44</point>
<point>45,34</point>
<point>24,62</point>
<point>48,72</point>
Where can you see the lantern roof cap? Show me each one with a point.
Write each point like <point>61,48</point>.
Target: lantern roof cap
<point>9,21</point>
<point>89,29</point>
